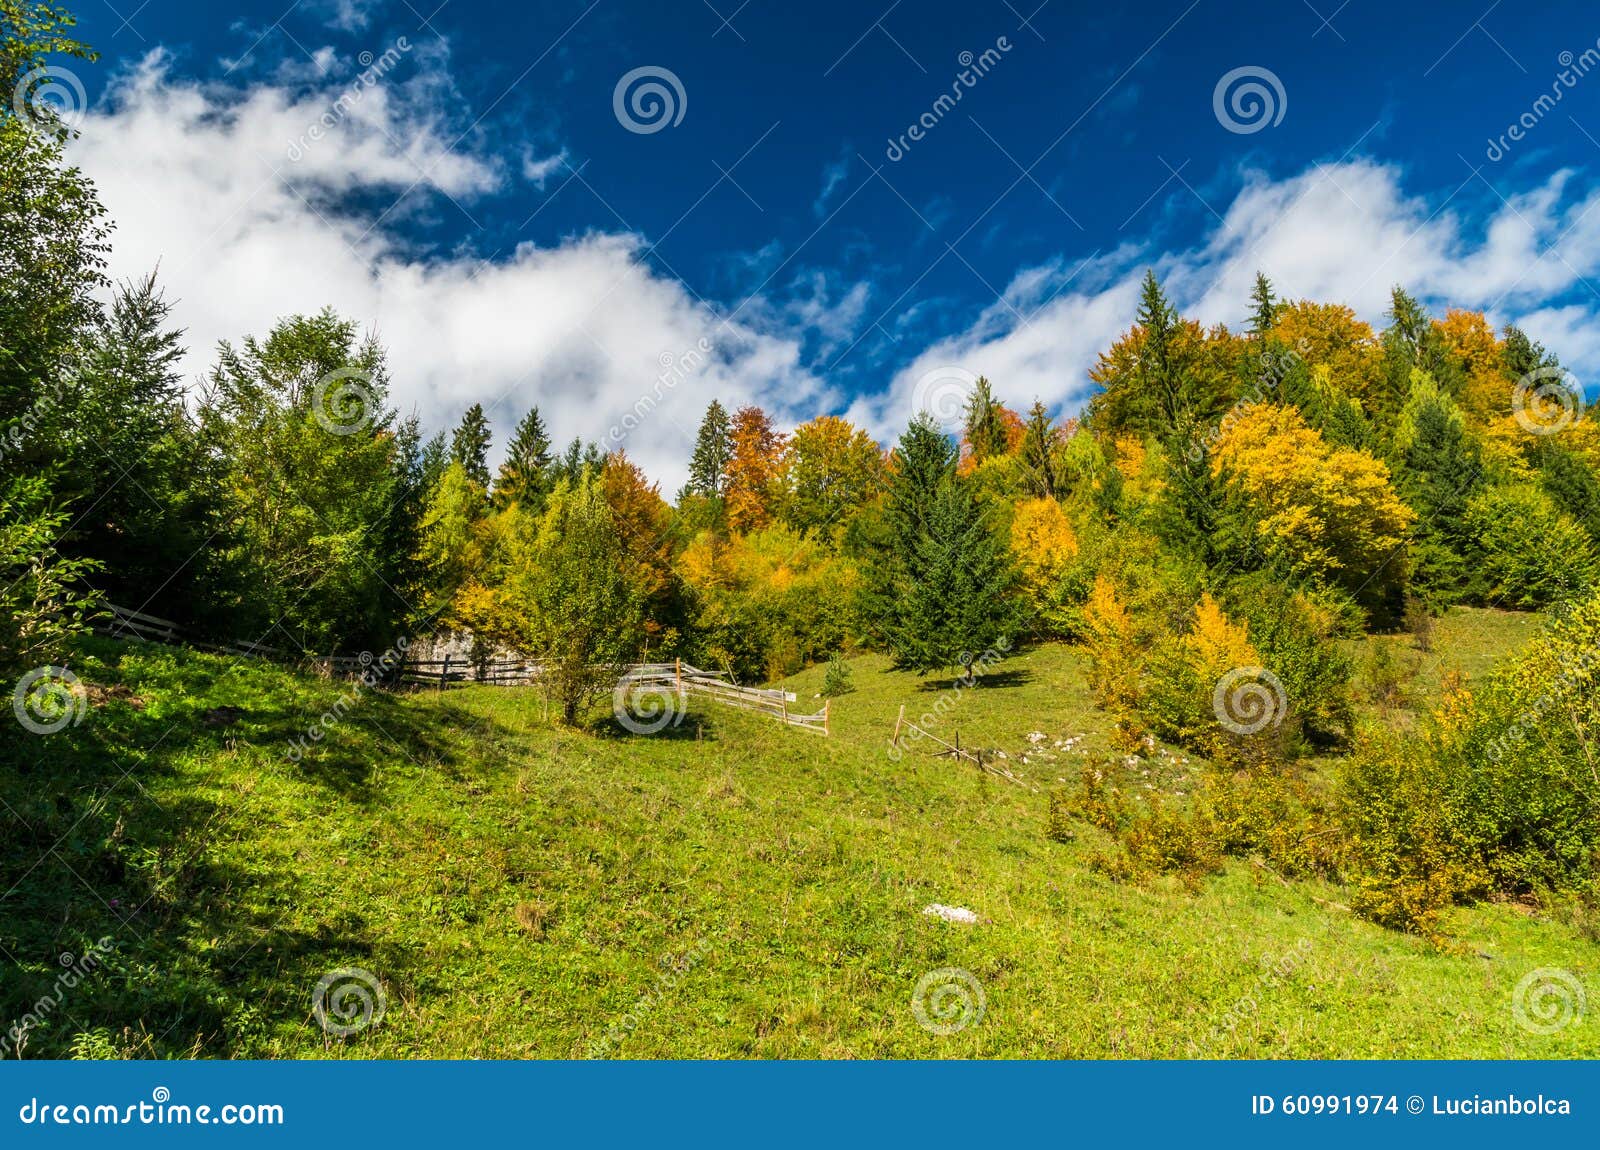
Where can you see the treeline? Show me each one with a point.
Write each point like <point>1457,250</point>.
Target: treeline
<point>1377,474</point>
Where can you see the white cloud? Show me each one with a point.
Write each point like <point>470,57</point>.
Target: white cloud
<point>226,189</point>
<point>1339,233</point>
<point>537,170</point>
<point>198,180</point>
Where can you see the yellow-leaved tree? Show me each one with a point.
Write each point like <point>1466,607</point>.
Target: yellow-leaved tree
<point>1114,667</point>
<point>1045,545</point>
<point>1295,501</point>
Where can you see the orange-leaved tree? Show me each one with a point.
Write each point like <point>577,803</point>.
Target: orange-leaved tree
<point>754,470</point>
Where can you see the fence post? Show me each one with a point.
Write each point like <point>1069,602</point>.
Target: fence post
<point>895,741</point>
<point>677,670</point>
<point>826,703</point>
<point>444,673</point>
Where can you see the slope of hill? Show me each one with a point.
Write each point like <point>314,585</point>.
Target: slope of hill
<point>726,888</point>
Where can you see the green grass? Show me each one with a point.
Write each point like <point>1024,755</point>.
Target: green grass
<point>728,888</point>
<point>1464,644</point>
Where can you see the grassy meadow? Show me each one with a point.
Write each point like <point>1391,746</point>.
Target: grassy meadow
<point>727,888</point>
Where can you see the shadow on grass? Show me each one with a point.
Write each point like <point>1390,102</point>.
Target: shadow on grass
<point>987,681</point>
<point>171,821</point>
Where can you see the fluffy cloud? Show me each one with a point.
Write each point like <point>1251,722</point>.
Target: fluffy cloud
<point>230,192</point>
<point>1343,232</point>
<point>244,195</point>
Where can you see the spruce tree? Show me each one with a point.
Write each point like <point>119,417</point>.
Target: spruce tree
<point>1265,315</point>
<point>959,599</point>
<point>1441,472</point>
<point>939,587</point>
<point>1522,355</point>
<point>985,429</point>
<point>1412,341</point>
<point>713,448</point>
<point>921,461</point>
<point>431,462</point>
<point>525,476</point>
<point>1038,453</point>
<point>580,459</point>
<point>134,457</point>
<point>470,445</point>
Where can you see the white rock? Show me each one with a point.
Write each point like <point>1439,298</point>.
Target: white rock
<point>950,913</point>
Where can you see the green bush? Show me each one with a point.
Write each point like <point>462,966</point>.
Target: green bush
<point>1501,793</point>
<point>837,680</point>
<point>1532,553</point>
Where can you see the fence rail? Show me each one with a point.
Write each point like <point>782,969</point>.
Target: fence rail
<point>680,677</point>
<point>686,680</point>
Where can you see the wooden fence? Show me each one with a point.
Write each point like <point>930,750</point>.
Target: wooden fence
<point>125,624</point>
<point>677,676</point>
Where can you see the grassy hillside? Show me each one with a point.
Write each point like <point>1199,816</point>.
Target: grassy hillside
<point>726,888</point>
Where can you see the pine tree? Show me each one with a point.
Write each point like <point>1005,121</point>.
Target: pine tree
<point>985,429</point>
<point>1038,453</point>
<point>431,462</point>
<point>713,449</point>
<point>1265,316</point>
<point>958,599</point>
<point>921,461</point>
<point>525,476</point>
<point>469,446</point>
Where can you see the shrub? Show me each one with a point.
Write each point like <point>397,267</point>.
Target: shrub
<point>1532,552</point>
<point>1500,793</point>
<point>837,680</point>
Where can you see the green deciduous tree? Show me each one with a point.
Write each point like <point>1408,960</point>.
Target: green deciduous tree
<point>576,607</point>
<point>832,469</point>
<point>312,475</point>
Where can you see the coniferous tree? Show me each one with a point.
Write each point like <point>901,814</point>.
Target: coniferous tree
<point>578,460</point>
<point>959,598</point>
<point>1265,313</point>
<point>432,460</point>
<point>469,446</point>
<point>1039,453</point>
<point>1413,342</point>
<point>1522,355</point>
<point>984,426</point>
<point>137,460</point>
<point>921,461</point>
<point>1570,482</point>
<point>1441,471</point>
<point>525,476</point>
<point>713,449</point>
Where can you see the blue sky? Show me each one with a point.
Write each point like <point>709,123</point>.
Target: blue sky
<point>475,196</point>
